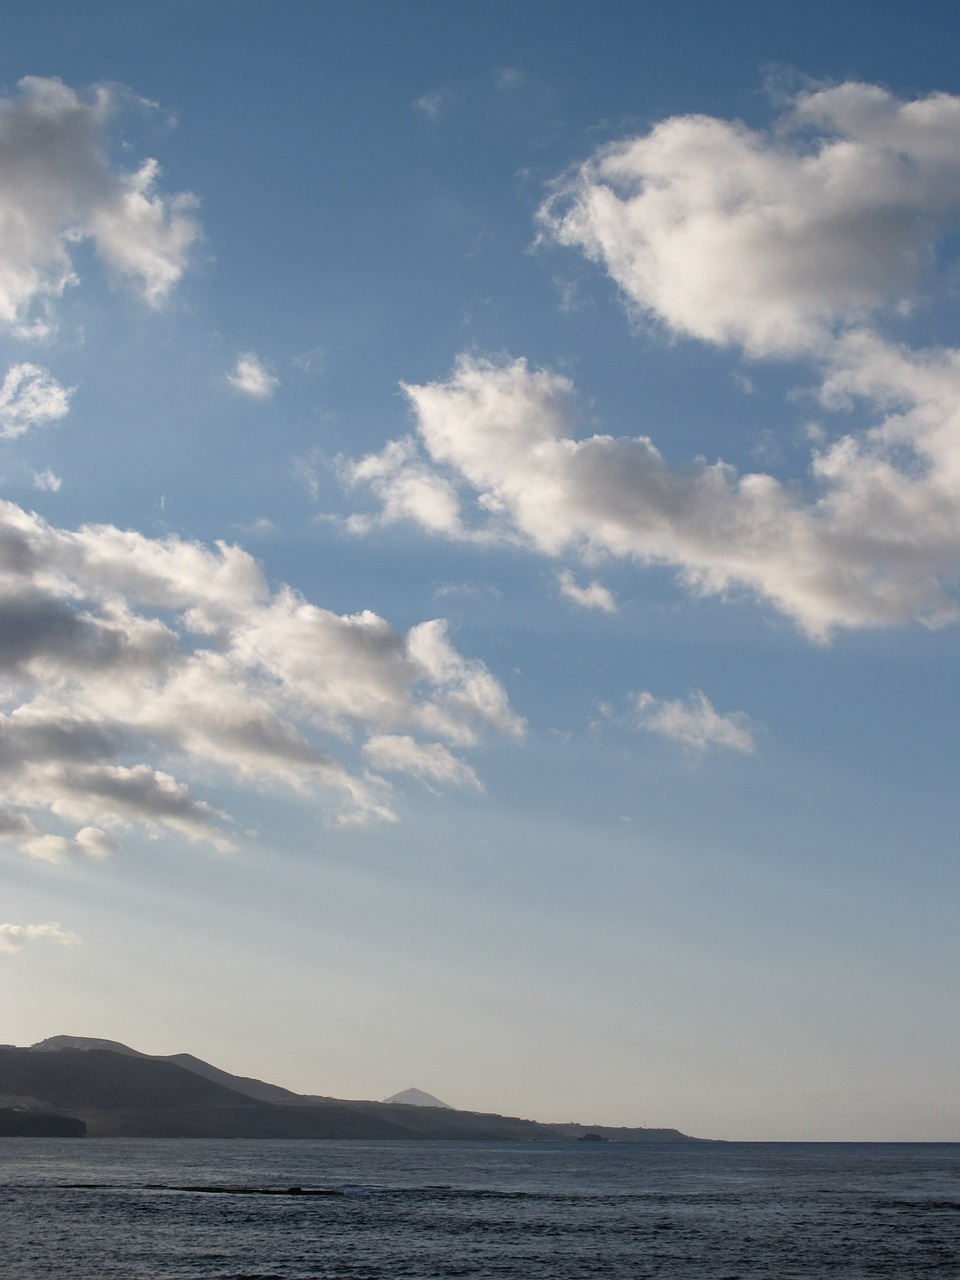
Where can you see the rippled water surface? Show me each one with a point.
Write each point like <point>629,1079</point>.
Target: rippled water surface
<point>86,1210</point>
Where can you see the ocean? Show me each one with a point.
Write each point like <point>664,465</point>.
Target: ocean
<point>242,1210</point>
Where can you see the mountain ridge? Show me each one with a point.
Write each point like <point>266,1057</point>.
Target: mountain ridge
<point>241,1084</point>
<point>118,1091</point>
<point>414,1097</point>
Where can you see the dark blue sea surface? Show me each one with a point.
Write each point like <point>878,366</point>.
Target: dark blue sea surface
<point>98,1208</point>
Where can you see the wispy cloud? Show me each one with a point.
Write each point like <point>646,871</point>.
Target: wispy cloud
<point>509,78</point>
<point>468,590</point>
<point>431,104</point>
<point>311,361</point>
<point>48,480</point>
<point>259,526</point>
<point>695,723</point>
<point>251,376</point>
<point>14,937</point>
<point>431,762</point>
<point>306,471</point>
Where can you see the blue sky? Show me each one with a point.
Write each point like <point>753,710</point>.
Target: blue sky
<point>480,552</point>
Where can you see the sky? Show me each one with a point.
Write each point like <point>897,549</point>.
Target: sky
<point>480,541</point>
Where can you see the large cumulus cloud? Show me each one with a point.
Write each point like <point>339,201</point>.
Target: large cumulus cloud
<point>770,239</point>
<point>131,667</point>
<point>795,242</point>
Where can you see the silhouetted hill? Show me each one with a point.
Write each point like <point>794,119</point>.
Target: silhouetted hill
<point>125,1095</point>
<point>258,1089</point>
<point>241,1084</point>
<point>97,1079</point>
<point>121,1093</point>
<point>39,1124</point>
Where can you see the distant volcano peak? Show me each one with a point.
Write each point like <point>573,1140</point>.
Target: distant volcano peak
<point>417,1098</point>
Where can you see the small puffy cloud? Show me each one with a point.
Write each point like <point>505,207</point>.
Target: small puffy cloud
<point>95,843</point>
<point>134,669</point>
<point>31,397</point>
<point>251,376</point>
<point>58,187</point>
<point>14,937</point>
<point>593,596</point>
<point>431,104</point>
<point>770,239</point>
<point>49,847</point>
<point>48,480</point>
<point>509,78</point>
<point>695,723</point>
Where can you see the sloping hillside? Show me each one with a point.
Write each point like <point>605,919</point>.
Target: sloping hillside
<point>126,1095</point>
<point>121,1093</point>
<point>95,1079</point>
<point>251,1088</point>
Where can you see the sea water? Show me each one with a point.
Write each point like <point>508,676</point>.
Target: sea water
<point>98,1208</point>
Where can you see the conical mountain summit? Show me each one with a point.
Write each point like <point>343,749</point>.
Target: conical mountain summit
<point>417,1098</point>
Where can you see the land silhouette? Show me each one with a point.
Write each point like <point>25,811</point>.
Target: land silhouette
<point>116,1091</point>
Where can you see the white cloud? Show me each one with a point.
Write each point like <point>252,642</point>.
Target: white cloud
<point>407,487</point>
<point>593,596</point>
<point>430,762</point>
<point>251,376</point>
<point>794,242</point>
<point>469,590</point>
<point>770,239</point>
<point>144,236</point>
<point>878,544</point>
<point>31,397</point>
<point>95,843</point>
<point>695,723</point>
<point>509,78</point>
<point>311,361</point>
<point>48,480</point>
<point>14,937</point>
<point>57,188</point>
<point>90,841</point>
<point>262,525</point>
<point>133,668</point>
<point>305,471</point>
<point>431,104</point>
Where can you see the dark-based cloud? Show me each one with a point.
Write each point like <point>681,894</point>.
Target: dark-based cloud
<point>131,665</point>
<point>58,187</point>
<point>795,242</point>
